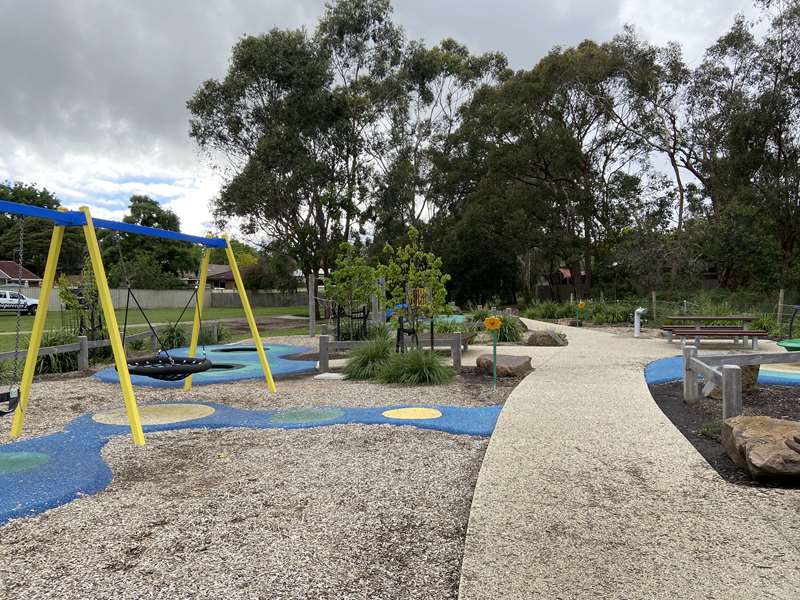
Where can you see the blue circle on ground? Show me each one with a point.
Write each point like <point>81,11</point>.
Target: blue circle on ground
<point>225,355</point>
<point>306,415</point>
<point>14,462</point>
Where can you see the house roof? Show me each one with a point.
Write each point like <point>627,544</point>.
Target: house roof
<point>215,273</point>
<point>12,270</point>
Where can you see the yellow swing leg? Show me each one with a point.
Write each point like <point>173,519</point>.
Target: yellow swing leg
<point>38,330</point>
<point>107,305</point>
<point>248,312</point>
<point>198,309</point>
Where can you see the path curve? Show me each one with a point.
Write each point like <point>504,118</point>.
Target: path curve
<point>588,491</point>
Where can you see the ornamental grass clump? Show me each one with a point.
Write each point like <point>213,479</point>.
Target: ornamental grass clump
<point>416,367</point>
<point>511,329</point>
<point>368,361</point>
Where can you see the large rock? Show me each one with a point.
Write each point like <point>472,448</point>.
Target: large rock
<point>749,382</point>
<point>546,338</point>
<point>757,444</point>
<point>507,365</point>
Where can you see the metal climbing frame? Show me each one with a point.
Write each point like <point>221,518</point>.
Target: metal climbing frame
<point>62,219</point>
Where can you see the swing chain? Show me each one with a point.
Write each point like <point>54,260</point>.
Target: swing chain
<point>19,301</point>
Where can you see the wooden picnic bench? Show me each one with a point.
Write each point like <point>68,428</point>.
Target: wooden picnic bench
<point>697,330</point>
<point>725,334</point>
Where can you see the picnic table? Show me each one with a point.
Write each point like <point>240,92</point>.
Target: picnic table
<point>697,321</point>
<point>738,330</point>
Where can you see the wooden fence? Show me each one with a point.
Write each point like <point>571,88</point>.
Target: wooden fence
<point>724,371</point>
<point>84,344</point>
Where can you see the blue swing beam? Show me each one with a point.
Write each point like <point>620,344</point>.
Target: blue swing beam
<point>74,218</point>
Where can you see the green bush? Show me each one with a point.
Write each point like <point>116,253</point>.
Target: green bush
<point>367,361</point>
<point>449,326</point>
<point>416,367</point>
<point>511,329</point>
<point>479,314</point>
<point>173,336</point>
<point>57,363</point>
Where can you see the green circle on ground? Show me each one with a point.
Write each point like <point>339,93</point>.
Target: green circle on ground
<point>14,462</point>
<point>306,415</point>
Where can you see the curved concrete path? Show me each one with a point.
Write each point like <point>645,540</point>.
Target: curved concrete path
<point>588,491</point>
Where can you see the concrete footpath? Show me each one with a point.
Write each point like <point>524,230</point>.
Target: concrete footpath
<point>588,491</point>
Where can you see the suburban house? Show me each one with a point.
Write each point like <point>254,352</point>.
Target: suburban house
<point>10,272</point>
<point>219,277</point>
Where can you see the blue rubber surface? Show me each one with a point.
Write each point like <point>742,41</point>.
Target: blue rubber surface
<point>250,367</point>
<point>73,465</point>
<point>671,369</point>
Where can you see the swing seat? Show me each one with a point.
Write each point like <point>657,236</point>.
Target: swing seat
<point>168,368</point>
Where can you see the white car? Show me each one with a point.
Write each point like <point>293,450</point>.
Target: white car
<point>12,301</point>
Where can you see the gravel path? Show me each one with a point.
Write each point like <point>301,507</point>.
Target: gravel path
<point>345,512</point>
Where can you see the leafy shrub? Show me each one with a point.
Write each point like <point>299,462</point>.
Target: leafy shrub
<point>549,311</point>
<point>511,329</point>
<point>448,326</point>
<point>353,331</point>
<point>367,361</point>
<point>479,314</point>
<point>416,367</point>
<point>138,345</point>
<point>770,324</point>
<point>57,363</point>
<point>224,333</point>
<point>173,336</point>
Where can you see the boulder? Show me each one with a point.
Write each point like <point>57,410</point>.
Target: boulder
<point>546,338</point>
<point>507,365</point>
<point>758,445</point>
<point>749,382</point>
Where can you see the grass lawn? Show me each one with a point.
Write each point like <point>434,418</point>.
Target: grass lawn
<point>156,315</point>
<point>8,321</point>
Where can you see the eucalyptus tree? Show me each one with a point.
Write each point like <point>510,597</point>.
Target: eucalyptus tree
<point>431,87</point>
<point>270,126</point>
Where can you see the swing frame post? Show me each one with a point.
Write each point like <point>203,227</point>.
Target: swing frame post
<point>248,312</point>
<point>106,303</point>
<point>38,330</point>
<point>198,310</point>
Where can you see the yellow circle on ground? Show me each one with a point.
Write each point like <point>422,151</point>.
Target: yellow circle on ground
<point>158,414</point>
<point>412,413</point>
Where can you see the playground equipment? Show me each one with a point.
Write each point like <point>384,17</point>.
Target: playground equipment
<point>792,344</point>
<point>62,219</point>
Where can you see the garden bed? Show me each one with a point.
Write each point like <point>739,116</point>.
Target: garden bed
<point>699,422</point>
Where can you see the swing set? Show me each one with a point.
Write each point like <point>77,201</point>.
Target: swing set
<point>162,365</point>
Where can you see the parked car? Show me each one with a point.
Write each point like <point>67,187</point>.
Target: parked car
<point>11,301</point>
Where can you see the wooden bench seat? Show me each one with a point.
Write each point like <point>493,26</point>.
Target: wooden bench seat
<point>734,334</point>
<point>693,327</point>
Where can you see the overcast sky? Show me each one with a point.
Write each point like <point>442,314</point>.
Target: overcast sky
<point>92,101</point>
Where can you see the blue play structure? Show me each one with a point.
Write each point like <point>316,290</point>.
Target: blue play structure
<point>230,363</point>
<point>45,472</point>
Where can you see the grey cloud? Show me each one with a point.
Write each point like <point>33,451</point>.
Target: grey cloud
<point>112,78</point>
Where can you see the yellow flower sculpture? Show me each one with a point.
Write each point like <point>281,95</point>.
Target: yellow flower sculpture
<point>582,304</point>
<point>492,323</point>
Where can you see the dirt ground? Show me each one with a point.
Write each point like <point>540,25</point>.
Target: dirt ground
<point>699,422</point>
